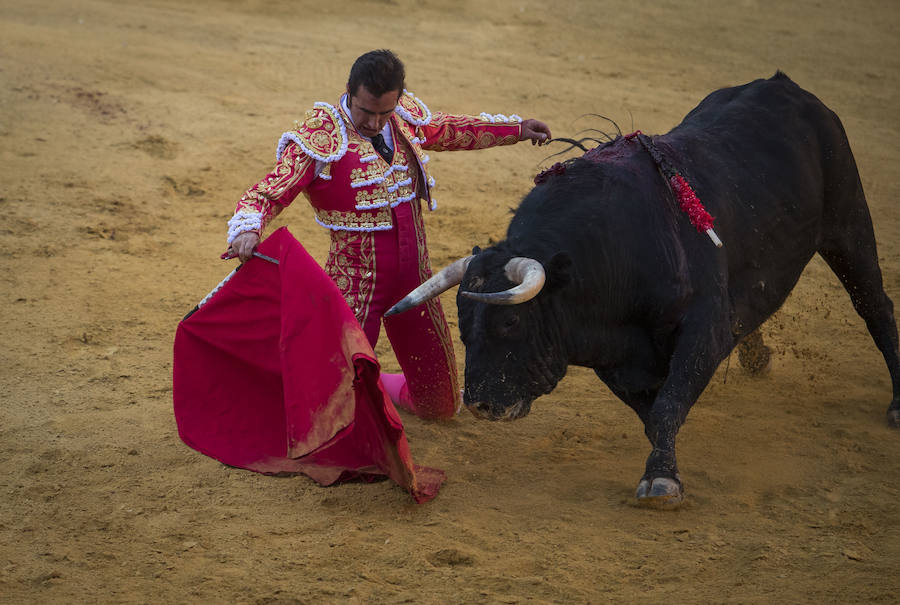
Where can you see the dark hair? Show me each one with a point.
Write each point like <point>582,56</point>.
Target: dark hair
<point>380,71</point>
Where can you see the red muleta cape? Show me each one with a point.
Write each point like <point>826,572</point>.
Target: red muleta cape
<point>274,374</point>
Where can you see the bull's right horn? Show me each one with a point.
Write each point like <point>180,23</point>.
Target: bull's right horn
<point>528,275</point>
<point>443,280</point>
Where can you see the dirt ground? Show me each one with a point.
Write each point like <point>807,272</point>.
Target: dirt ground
<point>129,129</point>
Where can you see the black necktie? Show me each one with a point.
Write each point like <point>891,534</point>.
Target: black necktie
<point>381,147</point>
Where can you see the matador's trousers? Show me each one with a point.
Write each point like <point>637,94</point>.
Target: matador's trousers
<point>374,270</point>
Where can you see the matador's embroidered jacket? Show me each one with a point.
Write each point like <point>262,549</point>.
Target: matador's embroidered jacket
<point>348,184</point>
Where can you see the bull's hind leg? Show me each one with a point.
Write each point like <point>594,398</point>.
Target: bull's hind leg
<point>849,249</point>
<point>753,353</point>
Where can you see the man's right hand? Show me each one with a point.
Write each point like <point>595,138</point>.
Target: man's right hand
<point>244,244</point>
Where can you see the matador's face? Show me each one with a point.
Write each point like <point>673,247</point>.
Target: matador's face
<point>370,113</point>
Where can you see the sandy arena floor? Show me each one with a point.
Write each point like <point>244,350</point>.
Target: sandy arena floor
<point>129,129</point>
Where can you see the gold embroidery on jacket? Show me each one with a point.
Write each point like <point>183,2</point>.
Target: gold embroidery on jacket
<point>264,195</point>
<point>400,157</point>
<point>367,172</point>
<point>414,106</point>
<point>388,190</point>
<point>367,198</point>
<point>355,221</point>
<point>320,131</point>
<point>460,132</point>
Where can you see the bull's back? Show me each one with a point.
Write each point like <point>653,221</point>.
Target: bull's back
<point>757,155</point>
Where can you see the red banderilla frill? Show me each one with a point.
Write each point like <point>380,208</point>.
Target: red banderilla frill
<point>684,194</point>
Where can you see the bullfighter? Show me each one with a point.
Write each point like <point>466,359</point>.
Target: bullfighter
<point>363,166</point>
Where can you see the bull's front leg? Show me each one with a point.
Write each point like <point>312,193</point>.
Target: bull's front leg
<point>661,485</point>
<point>693,363</point>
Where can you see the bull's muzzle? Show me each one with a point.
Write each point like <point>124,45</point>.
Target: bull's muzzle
<point>486,411</point>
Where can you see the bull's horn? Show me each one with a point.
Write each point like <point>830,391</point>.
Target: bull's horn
<point>443,280</point>
<point>526,272</point>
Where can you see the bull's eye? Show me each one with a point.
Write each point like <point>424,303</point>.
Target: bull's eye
<point>509,324</point>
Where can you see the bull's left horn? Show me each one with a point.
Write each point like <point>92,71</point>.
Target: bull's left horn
<point>526,272</point>
<point>443,280</point>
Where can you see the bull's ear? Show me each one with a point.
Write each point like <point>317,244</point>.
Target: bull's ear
<point>559,271</point>
<point>476,250</point>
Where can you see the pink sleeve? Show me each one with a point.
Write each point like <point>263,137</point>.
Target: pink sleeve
<point>446,132</point>
<point>263,201</point>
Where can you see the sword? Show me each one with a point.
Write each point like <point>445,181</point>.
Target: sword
<point>225,281</point>
<point>264,257</point>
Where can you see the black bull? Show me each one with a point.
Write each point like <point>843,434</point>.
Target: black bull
<point>625,285</point>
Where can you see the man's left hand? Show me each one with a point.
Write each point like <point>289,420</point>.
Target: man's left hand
<point>537,131</point>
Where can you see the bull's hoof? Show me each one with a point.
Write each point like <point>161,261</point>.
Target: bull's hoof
<point>662,493</point>
<point>753,354</point>
<point>893,417</point>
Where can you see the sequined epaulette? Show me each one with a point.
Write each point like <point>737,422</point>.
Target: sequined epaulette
<point>321,134</point>
<point>412,110</point>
